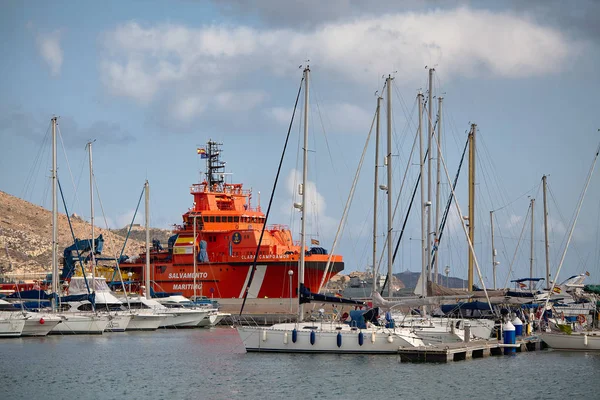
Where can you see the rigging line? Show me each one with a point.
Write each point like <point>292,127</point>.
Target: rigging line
<point>518,198</point>
<point>66,158</point>
<point>76,242</point>
<point>408,165</point>
<point>471,248</point>
<point>577,251</point>
<point>407,212</point>
<point>448,204</point>
<point>36,161</point>
<point>75,199</point>
<point>262,232</point>
<point>562,259</point>
<point>525,221</point>
<point>348,203</point>
<point>131,226</point>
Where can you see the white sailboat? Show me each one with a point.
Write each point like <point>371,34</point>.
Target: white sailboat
<point>322,336</point>
<point>587,339</point>
<point>80,323</point>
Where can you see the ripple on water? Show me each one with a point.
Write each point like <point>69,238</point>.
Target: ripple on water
<point>199,364</point>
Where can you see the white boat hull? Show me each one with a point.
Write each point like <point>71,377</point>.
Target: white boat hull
<point>39,325</point>
<point>182,318</point>
<point>80,324</point>
<point>586,341</point>
<point>213,319</point>
<point>280,338</point>
<point>11,327</point>
<point>117,322</point>
<point>145,321</point>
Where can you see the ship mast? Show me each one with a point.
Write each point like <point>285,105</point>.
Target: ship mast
<point>494,252</point>
<point>389,182</point>
<point>214,166</point>
<point>546,245</point>
<point>303,194</point>
<point>532,248</point>
<point>471,202</point>
<point>438,175</point>
<point>423,203</point>
<point>147,210</point>
<point>375,189</point>
<point>429,185</point>
<point>92,244</point>
<point>54,222</point>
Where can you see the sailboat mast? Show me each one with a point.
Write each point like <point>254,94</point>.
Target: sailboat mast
<point>429,185</point>
<point>375,192</point>
<point>471,201</point>
<point>194,254</point>
<point>54,221</point>
<point>303,194</point>
<point>493,248</point>
<point>546,245</point>
<point>423,202</point>
<point>532,248</point>
<point>438,175</point>
<point>147,211</point>
<point>389,182</point>
<point>93,247</point>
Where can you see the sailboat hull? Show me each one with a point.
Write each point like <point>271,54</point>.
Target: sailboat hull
<point>40,325</point>
<point>584,341</point>
<point>331,338</point>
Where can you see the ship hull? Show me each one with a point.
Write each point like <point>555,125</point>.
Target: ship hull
<point>228,281</point>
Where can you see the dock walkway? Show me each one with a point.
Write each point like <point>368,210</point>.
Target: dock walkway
<point>459,351</point>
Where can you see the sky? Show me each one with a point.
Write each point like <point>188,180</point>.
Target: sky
<point>150,81</point>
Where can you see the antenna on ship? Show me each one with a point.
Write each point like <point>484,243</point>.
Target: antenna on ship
<point>214,166</point>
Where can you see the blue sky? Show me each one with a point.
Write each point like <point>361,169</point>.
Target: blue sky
<point>152,80</point>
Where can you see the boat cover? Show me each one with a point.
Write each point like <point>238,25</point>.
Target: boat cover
<point>306,296</point>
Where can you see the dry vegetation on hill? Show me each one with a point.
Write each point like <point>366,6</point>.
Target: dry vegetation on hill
<point>25,230</point>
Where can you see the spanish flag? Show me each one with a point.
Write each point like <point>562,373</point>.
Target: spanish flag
<point>556,289</point>
<point>202,152</point>
<point>314,241</point>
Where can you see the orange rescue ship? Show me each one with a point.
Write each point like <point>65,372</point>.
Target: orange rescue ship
<point>227,232</point>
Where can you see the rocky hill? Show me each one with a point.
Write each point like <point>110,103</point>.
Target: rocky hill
<point>25,230</point>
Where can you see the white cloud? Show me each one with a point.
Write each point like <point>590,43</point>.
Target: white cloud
<point>280,115</point>
<point>49,47</point>
<point>316,207</point>
<point>513,221</point>
<point>123,220</point>
<point>141,61</point>
<point>240,101</point>
<point>185,109</point>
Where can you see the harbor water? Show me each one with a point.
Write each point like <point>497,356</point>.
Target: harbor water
<point>212,364</point>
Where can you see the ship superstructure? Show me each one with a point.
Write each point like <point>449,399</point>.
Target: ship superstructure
<point>221,231</point>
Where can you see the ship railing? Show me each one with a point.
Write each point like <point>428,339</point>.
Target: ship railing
<point>277,227</point>
<point>226,188</point>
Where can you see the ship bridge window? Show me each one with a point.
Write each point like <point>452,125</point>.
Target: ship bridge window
<point>217,219</point>
<point>236,219</point>
<point>212,219</point>
<point>229,219</point>
<point>205,219</point>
